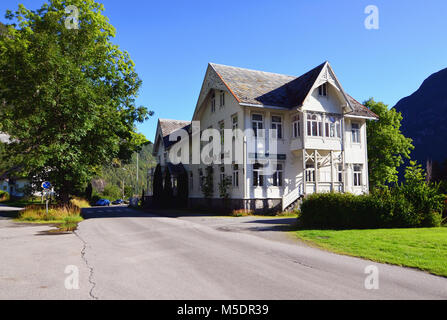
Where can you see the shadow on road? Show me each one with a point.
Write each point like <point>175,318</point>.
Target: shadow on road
<point>127,212</point>
<point>279,224</point>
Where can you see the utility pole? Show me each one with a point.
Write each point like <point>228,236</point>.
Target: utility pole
<point>136,187</point>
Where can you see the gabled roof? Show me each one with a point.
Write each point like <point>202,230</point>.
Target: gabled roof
<point>261,88</point>
<point>266,88</point>
<point>360,110</point>
<point>168,126</point>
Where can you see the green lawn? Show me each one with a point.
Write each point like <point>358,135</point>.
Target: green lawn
<point>425,249</point>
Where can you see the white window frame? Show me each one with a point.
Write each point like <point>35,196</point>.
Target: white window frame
<point>213,102</point>
<point>257,124</point>
<point>296,127</point>
<point>222,174</point>
<point>222,99</point>
<point>235,122</point>
<point>357,170</point>
<point>222,132</point>
<point>258,175</point>
<point>278,125</point>
<point>355,133</point>
<point>278,175</point>
<point>322,90</point>
<point>340,173</point>
<point>310,173</point>
<point>235,180</point>
<point>332,129</point>
<point>314,121</point>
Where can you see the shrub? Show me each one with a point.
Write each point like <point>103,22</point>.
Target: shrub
<point>242,213</point>
<point>112,192</point>
<point>415,203</point>
<point>4,196</point>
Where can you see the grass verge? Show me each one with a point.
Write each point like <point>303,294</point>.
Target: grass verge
<point>65,217</point>
<point>424,249</point>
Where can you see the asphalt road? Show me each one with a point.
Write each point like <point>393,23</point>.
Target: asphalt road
<point>124,254</point>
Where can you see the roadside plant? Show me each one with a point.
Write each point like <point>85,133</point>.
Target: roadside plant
<point>224,187</point>
<point>208,183</point>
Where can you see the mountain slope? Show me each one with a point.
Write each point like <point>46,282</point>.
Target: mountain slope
<point>425,118</point>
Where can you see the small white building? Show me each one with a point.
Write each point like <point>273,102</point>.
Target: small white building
<point>321,131</point>
<point>15,186</point>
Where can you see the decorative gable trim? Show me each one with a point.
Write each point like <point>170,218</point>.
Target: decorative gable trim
<point>327,75</point>
<point>212,80</point>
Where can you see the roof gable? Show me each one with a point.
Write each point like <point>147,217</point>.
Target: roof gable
<point>166,127</point>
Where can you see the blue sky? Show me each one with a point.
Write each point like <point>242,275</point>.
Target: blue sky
<point>171,43</point>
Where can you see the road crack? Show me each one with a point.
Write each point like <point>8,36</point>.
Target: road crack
<point>91,275</point>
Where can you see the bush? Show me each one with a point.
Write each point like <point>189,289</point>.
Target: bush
<point>412,204</point>
<point>242,213</point>
<point>4,196</point>
<point>383,209</point>
<point>112,192</point>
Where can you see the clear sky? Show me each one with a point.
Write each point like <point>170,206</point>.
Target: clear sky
<point>171,43</point>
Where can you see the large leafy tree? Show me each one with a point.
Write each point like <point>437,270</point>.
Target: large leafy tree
<point>67,95</point>
<point>387,146</point>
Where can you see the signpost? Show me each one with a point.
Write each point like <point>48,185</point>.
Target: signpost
<point>46,186</point>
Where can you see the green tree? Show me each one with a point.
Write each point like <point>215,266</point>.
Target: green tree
<point>387,146</point>
<point>68,95</point>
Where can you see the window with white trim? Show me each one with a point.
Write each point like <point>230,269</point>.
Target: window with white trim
<point>340,173</point>
<point>310,173</point>
<point>222,132</point>
<point>222,174</point>
<point>277,127</point>
<point>278,175</point>
<point>355,129</point>
<point>258,175</point>
<point>235,123</point>
<point>314,125</point>
<point>333,127</point>
<point>257,121</point>
<point>322,90</point>
<point>296,130</point>
<point>235,179</point>
<point>222,99</point>
<point>358,170</point>
<point>213,102</point>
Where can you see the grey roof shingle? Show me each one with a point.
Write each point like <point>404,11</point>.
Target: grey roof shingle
<point>272,89</point>
<point>168,126</point>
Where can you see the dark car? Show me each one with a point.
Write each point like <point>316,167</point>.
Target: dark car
<point>103,203</point>
<point>117,202</point>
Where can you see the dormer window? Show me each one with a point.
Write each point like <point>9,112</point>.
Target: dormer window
<point>322,90</point>
<point>213,102</point>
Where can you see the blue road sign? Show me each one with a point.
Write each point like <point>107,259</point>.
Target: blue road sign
<point>46,185</point>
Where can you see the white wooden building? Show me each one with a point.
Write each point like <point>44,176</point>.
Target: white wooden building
<point>321,131</point>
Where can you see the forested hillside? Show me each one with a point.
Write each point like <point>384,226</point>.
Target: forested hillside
<point>110,181</point>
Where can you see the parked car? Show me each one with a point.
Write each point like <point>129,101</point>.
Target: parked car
<point>117,202</point>
<point>103,203</point>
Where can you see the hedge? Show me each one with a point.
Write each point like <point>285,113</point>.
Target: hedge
<point>383,209</point>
